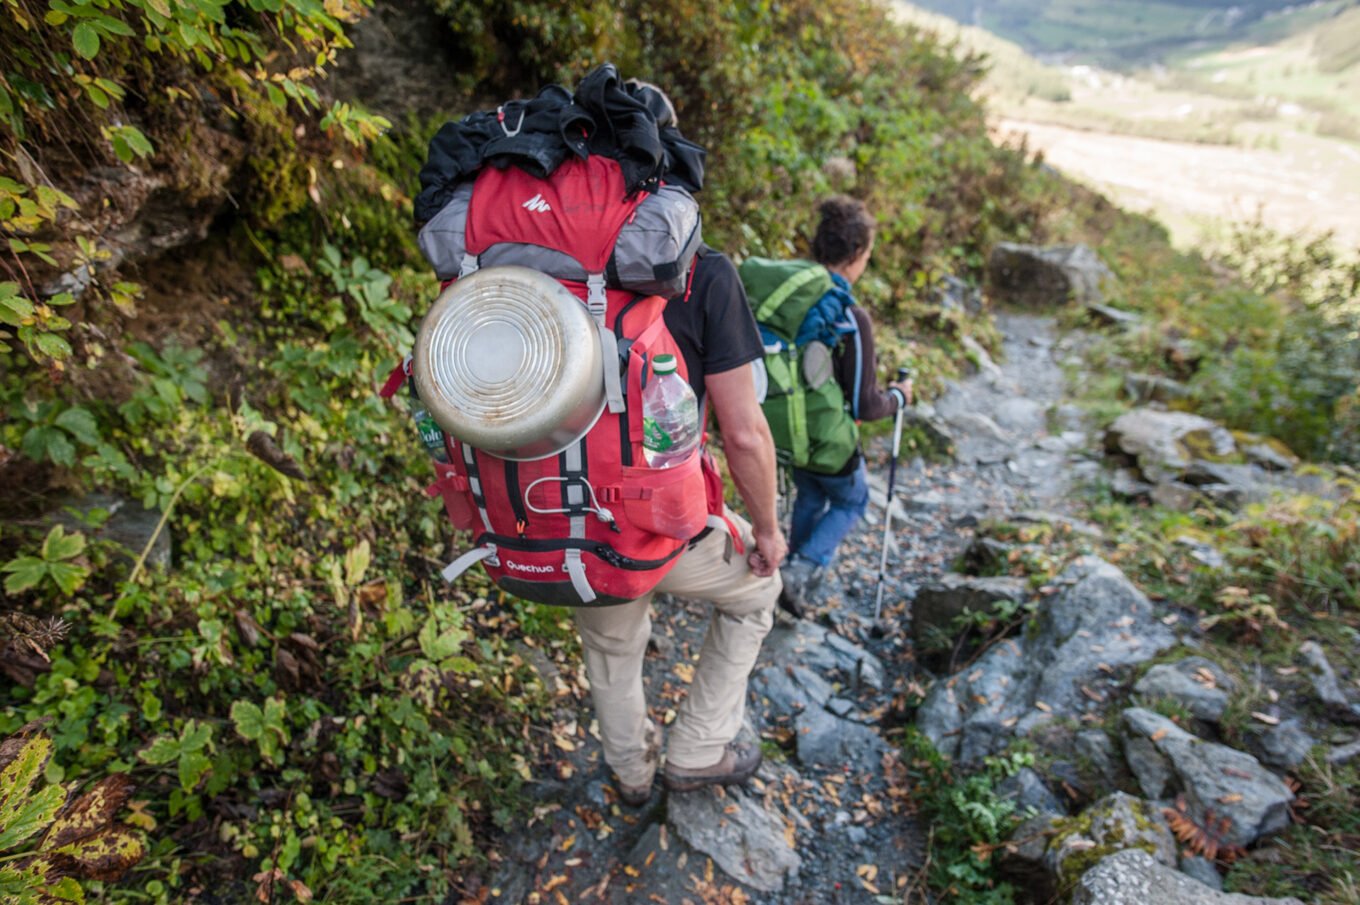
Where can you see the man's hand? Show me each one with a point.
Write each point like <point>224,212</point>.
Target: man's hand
<point>769,553</point>
<point>906,388</point>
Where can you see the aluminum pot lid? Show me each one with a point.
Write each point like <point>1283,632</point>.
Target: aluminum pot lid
<point>509,361</point>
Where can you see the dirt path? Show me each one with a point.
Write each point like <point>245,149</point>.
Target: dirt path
<point>1308,184</point>
<point>827,821</point>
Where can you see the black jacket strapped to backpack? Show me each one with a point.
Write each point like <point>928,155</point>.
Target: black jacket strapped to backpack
<point>605,116</point>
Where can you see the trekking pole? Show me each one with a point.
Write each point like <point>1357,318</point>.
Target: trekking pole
<point>902,374</point>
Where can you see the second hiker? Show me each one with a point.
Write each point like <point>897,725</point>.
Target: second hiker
<point>823,381</point>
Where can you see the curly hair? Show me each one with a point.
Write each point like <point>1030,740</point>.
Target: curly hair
<point>845,230</point>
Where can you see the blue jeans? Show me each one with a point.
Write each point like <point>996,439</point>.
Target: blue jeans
<point>826,509</point>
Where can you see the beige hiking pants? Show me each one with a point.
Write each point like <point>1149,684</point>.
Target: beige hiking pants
<point>615,640</point>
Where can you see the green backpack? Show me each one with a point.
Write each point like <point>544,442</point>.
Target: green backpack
<point>810,419</point>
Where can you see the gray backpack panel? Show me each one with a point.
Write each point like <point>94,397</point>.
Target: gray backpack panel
<point>444,239</point>
<point>652,254</point>
<point>655,248</point>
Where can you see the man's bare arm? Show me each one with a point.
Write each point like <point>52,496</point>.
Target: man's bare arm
<point>750,455</point>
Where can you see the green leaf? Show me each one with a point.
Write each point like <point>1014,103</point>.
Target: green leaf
<point>59,545</point>
<point>34,814</point>
<point>25,572</point>
<point>161,751</point>
<point>22,812</point>
<point>437,645</point>
<point>68,578</point>
<point>53,346</point>
<point>356,563</point>
<point>192,766</point>
<point>86,40</point>
<point>248,719</point>
<point>195,736</point>
<point>79,423</point>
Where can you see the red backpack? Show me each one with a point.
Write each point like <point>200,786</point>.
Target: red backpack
<point>592,525</point>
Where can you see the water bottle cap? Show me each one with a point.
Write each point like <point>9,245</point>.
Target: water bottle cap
<point>663,364</point>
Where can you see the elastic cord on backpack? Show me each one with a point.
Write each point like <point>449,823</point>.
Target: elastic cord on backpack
<point>602,513</point>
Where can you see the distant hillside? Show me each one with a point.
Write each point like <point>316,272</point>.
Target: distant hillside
<point>1114,32</point>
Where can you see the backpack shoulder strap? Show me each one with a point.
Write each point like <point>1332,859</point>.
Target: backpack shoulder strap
<point>784,290</point>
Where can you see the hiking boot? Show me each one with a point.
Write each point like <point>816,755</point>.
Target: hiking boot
<point>801,577</point>
<point>635,796</point>
<point>739,762</point>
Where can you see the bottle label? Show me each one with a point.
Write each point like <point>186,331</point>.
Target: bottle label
<point>653,437</point>
<point>431,433</point>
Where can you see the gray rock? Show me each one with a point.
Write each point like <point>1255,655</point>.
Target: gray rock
<point>788,690</point>
<point>1111,316</point>
<point>980,358</point>
<point>130,525</point>
<point>1165,443</point>
<point>1284,746</point>
<point>1344,754</point>
<point>939,603</point>
<point>1153,388</point>
<point>1036,276</point>
<point>953,294</point>
<point>1200,684</point>
<point>1175,495</point>
<point>1148,766</point>
<point>1030,793</point>
<point>1098,751</point>
<point>1126,483</point>
<point>1325,683</point>
<point>1048,854</point>
<point>980,440</point>
<point>1096,622</point>
<point>1203,870</point>
<point>826,740</point>
<point>823,651</point>
<point>1214,777</point>
<point>922,420</point>
<point>741,832</point>
<point>1134,877</point>
<point>1268,453</point>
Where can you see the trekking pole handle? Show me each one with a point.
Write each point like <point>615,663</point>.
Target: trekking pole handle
<point>902,374</point>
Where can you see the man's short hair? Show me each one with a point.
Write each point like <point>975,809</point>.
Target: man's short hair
<point>846,228</point>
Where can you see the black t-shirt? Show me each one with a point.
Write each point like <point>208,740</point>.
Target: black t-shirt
<point>712,322</point>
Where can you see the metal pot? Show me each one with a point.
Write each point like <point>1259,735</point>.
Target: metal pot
<point>509,361</point>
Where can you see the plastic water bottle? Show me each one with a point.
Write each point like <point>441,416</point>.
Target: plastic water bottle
<point>670,416</point>
<point>431,434</point>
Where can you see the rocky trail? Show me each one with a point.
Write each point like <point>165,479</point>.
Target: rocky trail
<point>828,818</point>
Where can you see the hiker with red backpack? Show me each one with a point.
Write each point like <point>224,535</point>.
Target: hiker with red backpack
<point>822,382</point>
<point>562,382</point>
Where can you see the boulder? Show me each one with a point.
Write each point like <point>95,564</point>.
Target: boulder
<point>1201,869</point>
<point>1283,747</point>
<point>1213,778</point>
<point>1048,855</point>
<point>1199,684</point>
<point>1134,877</point>
<point>1165,443</point>
<point>1096,622</point>
<point>787,690</point>
<point>1035,276</point>
<point>940,602</point>
<point>739,830</point>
